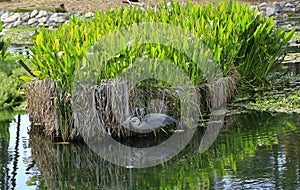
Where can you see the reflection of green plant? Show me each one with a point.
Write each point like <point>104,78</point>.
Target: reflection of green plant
<point>4,138</point>
<point>241,140</point>
<point>37,180</point>
<point>4,132</point>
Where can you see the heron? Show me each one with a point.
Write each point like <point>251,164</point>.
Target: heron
<point>149,122</point>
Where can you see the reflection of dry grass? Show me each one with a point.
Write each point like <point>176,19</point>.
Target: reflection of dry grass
<point>90,5</point>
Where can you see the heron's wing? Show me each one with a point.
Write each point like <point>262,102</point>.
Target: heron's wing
<point>158,120</point>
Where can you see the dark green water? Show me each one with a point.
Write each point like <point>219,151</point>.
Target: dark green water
<point>253,151</point>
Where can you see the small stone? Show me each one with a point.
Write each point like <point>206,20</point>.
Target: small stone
<point>12,18</point>
<point>263,6</point>
<point>32,21</point>
<point>56,17</point>
<point>17,23</point>
<point>88,14</point>
<point>270,11</point>
<point>41,14</point>
<point>34,24</point>
<point>282,3</point>
<point>34,13</point>
<point>78,14</point>
<point>43,19</point>
<point>5,15</point>
<point>290,5</point>
<point>277,7</point>
<point>41,24</point>
<point>25,17</point>
<point>52,23</point>
<point>285,16</point>
<point>276,16</point>
<point>8,25</point>
<point>2,12</point>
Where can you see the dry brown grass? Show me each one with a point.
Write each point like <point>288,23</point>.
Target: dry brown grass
<point>40,105</point>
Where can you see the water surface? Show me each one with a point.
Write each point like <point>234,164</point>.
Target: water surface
<point>253,151</point>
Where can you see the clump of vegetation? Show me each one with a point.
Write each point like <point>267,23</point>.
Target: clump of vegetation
<point>10,72</point>
<point>283,96</point>
<point>240,39</point>
<point>244,43</point>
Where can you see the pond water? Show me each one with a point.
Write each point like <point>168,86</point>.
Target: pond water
<point>253,151</point>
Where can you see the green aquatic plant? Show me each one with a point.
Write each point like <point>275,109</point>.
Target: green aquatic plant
<point>3,44</point>
<point>12,87</point>
<point>282,101</point>
<point>240,39</point>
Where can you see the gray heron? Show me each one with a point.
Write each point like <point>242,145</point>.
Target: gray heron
<point>149,122</point>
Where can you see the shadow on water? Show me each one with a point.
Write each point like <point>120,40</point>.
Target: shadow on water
<point>254,150</point>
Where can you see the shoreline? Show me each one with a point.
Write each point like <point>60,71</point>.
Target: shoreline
<point>39,18</point>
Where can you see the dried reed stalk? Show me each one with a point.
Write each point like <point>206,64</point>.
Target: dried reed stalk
<point>102,109</point>
<point>42,111</point>
<point>219,92</point>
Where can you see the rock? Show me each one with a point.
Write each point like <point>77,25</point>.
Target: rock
<point>17,23</point>
<point>31,21</point>
<point>88,14</point>
<point>78,14</point>
<point>270,11</point>
<point>2,12</point>
<point>34,13</point>
<point>25,17</point>
<point>5,15</point>
<point>41,14</point>
<point>282,3</point>
<point>34,24</point>
<point>41,24</point>
<point>277,7</point>
<point>58,18</point>
<point>289,5</point>
<point>12,18</point>
<point>276,16</point>
<point>7,25</point>
<point>285,16</point>
<point>43,19</point>
<point>51,23</point>
<point>262,6</point>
